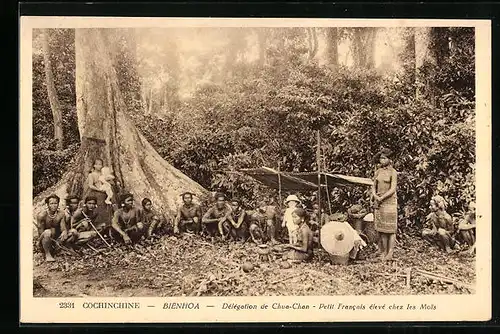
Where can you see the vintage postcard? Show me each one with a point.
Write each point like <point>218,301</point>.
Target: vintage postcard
<point>179,170</point>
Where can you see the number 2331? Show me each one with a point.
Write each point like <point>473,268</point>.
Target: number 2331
<point>66,305</point>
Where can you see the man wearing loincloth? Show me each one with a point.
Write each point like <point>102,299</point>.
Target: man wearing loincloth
<point>188,218</point>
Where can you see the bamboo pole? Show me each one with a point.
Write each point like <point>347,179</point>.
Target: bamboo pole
<point>279,185</point>
<point>318,163</point>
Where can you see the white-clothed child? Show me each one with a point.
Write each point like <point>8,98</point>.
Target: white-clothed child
<point>106,176</point>
<point>292,202</point>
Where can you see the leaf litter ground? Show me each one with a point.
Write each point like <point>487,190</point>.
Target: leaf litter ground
<point>192,266</point>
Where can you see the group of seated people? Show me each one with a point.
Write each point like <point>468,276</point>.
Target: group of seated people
<point>76,224</point>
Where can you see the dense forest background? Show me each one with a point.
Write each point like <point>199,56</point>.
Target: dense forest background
<point>214,100</point>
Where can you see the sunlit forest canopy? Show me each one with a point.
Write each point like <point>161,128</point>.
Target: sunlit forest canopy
<point>212,100</point>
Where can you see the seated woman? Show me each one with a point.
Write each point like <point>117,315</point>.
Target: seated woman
<point>127,222</point>
<point>439,225</point>
<point>302,249</point>
<point>51,226</point>
<point>95,189</point>
<point>467,227</point>
<point>153,220</point>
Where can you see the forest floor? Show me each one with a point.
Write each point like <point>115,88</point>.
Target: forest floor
<point>192,266</point>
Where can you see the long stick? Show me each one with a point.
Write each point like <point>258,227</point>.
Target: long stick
<point>318,163</point>
<point>279,185</point>
<point>99,234</point>
<point>443,278</point>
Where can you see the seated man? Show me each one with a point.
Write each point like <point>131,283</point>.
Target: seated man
<point>467,227</point>
<point>236,225</point>
<point>72,204</point>
<point>51,224</point>
<point>439,229</point>
<point>215,217</point>
<point>263,222</point>
<point>153,220</point>
<point>188,218</point>
<point>80,228</point>
<point>127,222</point>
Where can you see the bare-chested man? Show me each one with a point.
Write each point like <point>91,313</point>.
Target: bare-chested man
<point>467,226</point>
<point>127,221</point>
<point>263,223</point>
<point>188,218</point>
<point>440,227</point>
<point>154,221</point>
<point>81,230</point>
<point>51,224</point>
<point>215,217</point>
<point>236,225</point>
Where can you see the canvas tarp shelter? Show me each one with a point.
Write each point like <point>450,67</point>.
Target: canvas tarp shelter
<point>302,181</point>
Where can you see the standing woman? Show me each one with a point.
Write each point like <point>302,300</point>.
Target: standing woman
<point>385,203</point>
<point>94,189</point>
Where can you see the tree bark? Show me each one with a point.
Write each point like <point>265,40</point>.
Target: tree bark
<point>262,39</point>
<point>51,92</point>
<point>332,37</point>
<point>108,134</point>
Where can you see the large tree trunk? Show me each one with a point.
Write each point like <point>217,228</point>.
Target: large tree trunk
<point>332,37</point>
<point>424,57</point>
<point>363,47</point>
<point>261,39</point>
<point>51,91</point>
<point>107,133</point>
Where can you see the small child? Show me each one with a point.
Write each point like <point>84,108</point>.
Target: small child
<point>292,202</point>
<point>105,177</point>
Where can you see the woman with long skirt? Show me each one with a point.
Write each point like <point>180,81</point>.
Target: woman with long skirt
<point>385,204</point>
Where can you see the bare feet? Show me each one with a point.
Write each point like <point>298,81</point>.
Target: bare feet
<point>49,258</point>
<point>449,250</point>
<point>108,201</point>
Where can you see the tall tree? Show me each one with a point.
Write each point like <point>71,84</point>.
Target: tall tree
<point>408,56</point>
<point>332,40</point>
<point>262,41</point>
<point>107,133</point>
<point>51,91</point>
<point>363,47</point>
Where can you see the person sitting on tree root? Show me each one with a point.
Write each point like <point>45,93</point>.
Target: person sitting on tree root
<point>467,226</point>
<point>153,220</point>
<point>263,224</point>
<point>236,225</point>
<point>51,224</point>
<point>127,222</point>
<point>215,217</point>
<point>439,225</point>
<point>188,218</point>
<point>80,229</point>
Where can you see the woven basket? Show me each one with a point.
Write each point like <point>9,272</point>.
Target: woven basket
<point>339,259</point>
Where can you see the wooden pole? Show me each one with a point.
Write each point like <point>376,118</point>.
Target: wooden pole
<point>279,185</point>
<point>318,163</point>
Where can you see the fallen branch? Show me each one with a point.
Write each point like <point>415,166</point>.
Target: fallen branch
<point>442,278</point>
<point>95,250</point>
<point>286,278</point>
